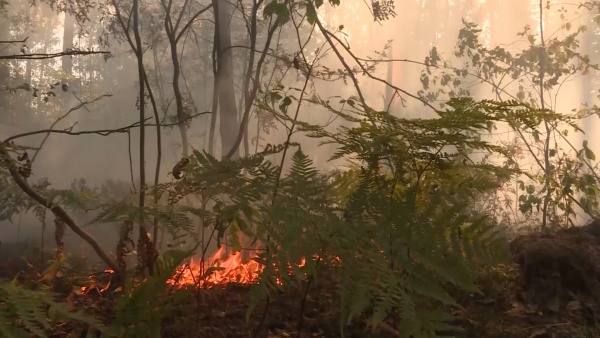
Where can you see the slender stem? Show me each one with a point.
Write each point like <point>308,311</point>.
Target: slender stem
<point>143,239</point>
<point>548,169</point>
<point>216,76</point>
<point>158,156</point>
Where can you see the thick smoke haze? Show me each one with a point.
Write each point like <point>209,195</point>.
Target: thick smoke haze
<point>110,83</point>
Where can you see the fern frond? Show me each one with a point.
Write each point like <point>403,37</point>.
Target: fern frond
<point>33,311</point>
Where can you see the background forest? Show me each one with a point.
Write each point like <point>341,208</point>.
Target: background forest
<point>276,168</point>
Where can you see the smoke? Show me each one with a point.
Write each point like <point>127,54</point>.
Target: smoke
<point>401,43</point>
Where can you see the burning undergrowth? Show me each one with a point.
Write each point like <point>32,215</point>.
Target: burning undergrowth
<point>233,268</point>
<point>211,298</point>
<point>220,268</point>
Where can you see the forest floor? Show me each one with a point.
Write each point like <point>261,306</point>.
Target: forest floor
<point>551,291</point>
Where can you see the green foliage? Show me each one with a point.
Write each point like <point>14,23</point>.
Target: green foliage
<point>279,10</point>
<point>25,312</point>
<point>405,220</point>
<point>383,9</point>
<point>397,234</point>
<point>400,243</point>
<point>171,217</point>
<point>282,11</point>
<point>563,181</point>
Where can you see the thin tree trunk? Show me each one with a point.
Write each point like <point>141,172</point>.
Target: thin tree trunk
<point>548,171</point>
<point>145,250</point>
<point>228,115</point>
<point>243,95</point>
<point>215,94</point>
<point>389,91</point>
<point>68,34</point>
<point>158,79</point>
<point>181,118</point>
<point>253,75</point>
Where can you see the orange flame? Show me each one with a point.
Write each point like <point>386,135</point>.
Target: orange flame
<point>231,269</point>
<point>208,273</point>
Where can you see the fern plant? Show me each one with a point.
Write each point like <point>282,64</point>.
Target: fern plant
<point>25,312</point>
<point>400,241</point>
<point>400,221</point>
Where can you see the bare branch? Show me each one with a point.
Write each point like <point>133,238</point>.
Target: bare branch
<point>191,21</point>
<point>251,94</point>
<point>185,4</point>
<point>329,35</point>
<point>101,132</point>
<point>14,41</point>
<point>50,55</point>
<point>69,131</point>
<point>77,107</point>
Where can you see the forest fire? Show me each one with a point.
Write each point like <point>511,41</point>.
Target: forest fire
<point>217,270</point>
<point>213,271</point>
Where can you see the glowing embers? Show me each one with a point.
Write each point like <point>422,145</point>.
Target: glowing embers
<point>99,282</point>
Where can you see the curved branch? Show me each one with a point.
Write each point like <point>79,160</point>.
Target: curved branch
<point>14,41</point>
<point>339,55</point>
<point>328,34</point>
<point>69,131</point>
<point>191,21</point>
<point>56,210</point>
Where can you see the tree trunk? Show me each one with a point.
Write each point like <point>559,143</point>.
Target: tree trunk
<point>241,102</point>
<point>389,91</point>
<point>215,92</point>
<point>68,34</point>
<point>229,124</point>
<point>181,116</point>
